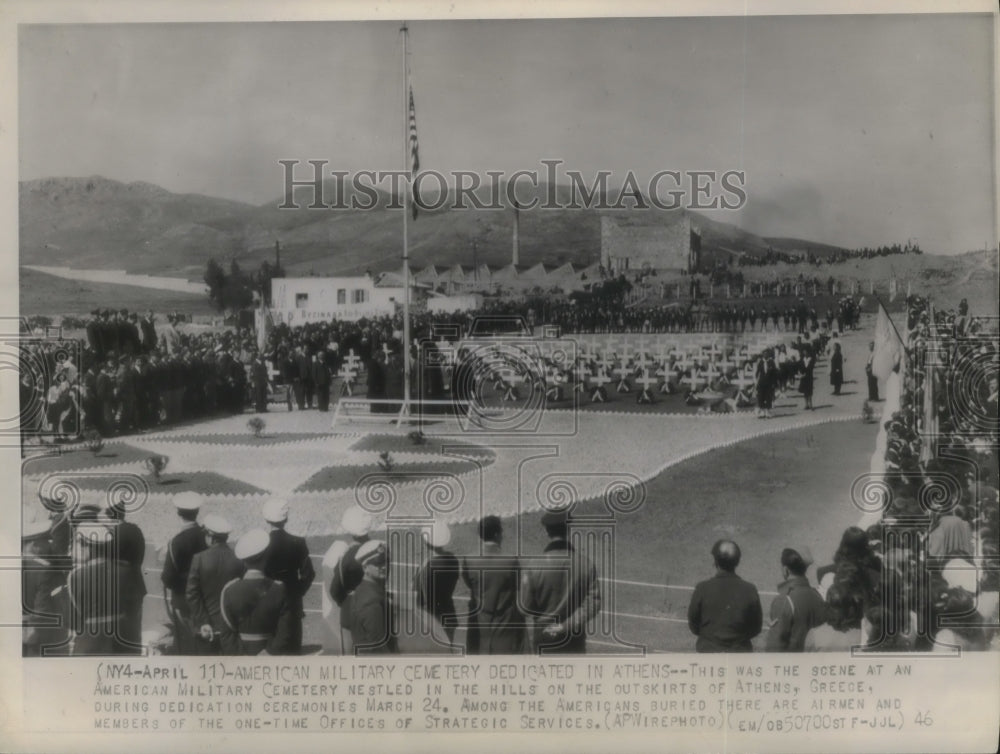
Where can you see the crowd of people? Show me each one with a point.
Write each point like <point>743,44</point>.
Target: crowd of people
<point>84,566</point>
<point>771,256</point>
<point>132,374</point>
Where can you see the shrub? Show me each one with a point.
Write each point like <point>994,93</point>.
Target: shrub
<point>256,425</point>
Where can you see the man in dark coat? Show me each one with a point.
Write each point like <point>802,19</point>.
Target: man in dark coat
<point>561,594</point>
<point>129,546</point>
<point>176,567</point>
<point>287,559</point>
<point>100,591</point>
<point>725,611</point>
<point>211,570</point>
<point>256,613</point>
<point>837,369</point>
<point>495,625</point>
<point>304,385</point>
<point>798,607</point>
<point>322,378</point>
<point>43,601</point>
<point>435,581</point>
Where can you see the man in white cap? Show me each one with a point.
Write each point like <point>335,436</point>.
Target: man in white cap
<point>798,606</point>
<point>43,600</point>
<point>100,593</point>
<point>366,610</point>
<point>211,570</point>
<point>288,561</point>
<point>256,613</point>
<point>176,565</point>
<point>341,574</point>
<point>434,582</point>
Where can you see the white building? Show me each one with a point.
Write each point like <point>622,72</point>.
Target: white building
<point>317,299</point>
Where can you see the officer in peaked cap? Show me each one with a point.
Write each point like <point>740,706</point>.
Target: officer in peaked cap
<point>366,611</point>
<point>257,615</point>
<point>211,570</point>
<point>43,593</point>
<point>435,581</point>
<point>288,561</point>
<point>176,566</point>
<point>100,591</point>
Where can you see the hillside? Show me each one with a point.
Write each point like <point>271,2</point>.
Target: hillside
<point>98,223</point>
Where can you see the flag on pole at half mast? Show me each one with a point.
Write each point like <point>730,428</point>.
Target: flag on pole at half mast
<point>414,152</point>
<point>888,345</point>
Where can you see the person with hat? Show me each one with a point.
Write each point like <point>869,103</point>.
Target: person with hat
<point>101,593</point>
<point>257,615</point>
<point>495,624</point>
<point>288,560</point>
<point>177,565</point>
<point>725,611</point>
<point>366,612</point>
<point>435,580</point>
<point>798,608</point>
<point>341,574</point>
<point>43,593</point>
<point>211,570</point>
<point>561,594</point>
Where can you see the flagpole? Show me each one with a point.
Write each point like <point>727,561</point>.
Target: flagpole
<point>406,211</point>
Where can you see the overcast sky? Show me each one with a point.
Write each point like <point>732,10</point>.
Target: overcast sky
<point>851,130</point>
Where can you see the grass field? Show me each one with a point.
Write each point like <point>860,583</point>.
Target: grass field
<point>50,295</point>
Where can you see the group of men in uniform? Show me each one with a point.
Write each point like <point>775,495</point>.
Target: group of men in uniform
<point>120,332</point>
<point>84,588</point>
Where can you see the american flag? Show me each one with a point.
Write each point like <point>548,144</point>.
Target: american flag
<point>414,151</point>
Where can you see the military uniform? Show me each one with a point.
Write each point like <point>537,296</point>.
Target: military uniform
<point>211,570</point>
<point>288,561</point>
<point>257,616</point>
<point>366,615</point>
<point>101,599</point>
<point>176,567</point>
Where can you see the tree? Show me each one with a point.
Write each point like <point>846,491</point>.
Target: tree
<point>215,279</point>
<point>238,291</point>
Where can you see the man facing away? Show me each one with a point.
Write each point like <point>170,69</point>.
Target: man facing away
<point>211,570</point>
<point>561,593</point>
<point>495,625</point>
<point>176,566</point>
<point>725,611</point>
<point>256,613</point>
<point>288,560</point>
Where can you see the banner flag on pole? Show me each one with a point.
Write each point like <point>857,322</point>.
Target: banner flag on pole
<point>414,152</point>
<point>888,345</point>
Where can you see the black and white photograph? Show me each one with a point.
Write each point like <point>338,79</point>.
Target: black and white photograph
<point>478,373</point>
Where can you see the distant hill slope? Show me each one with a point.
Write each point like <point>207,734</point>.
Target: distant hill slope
<point>99,223</point>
